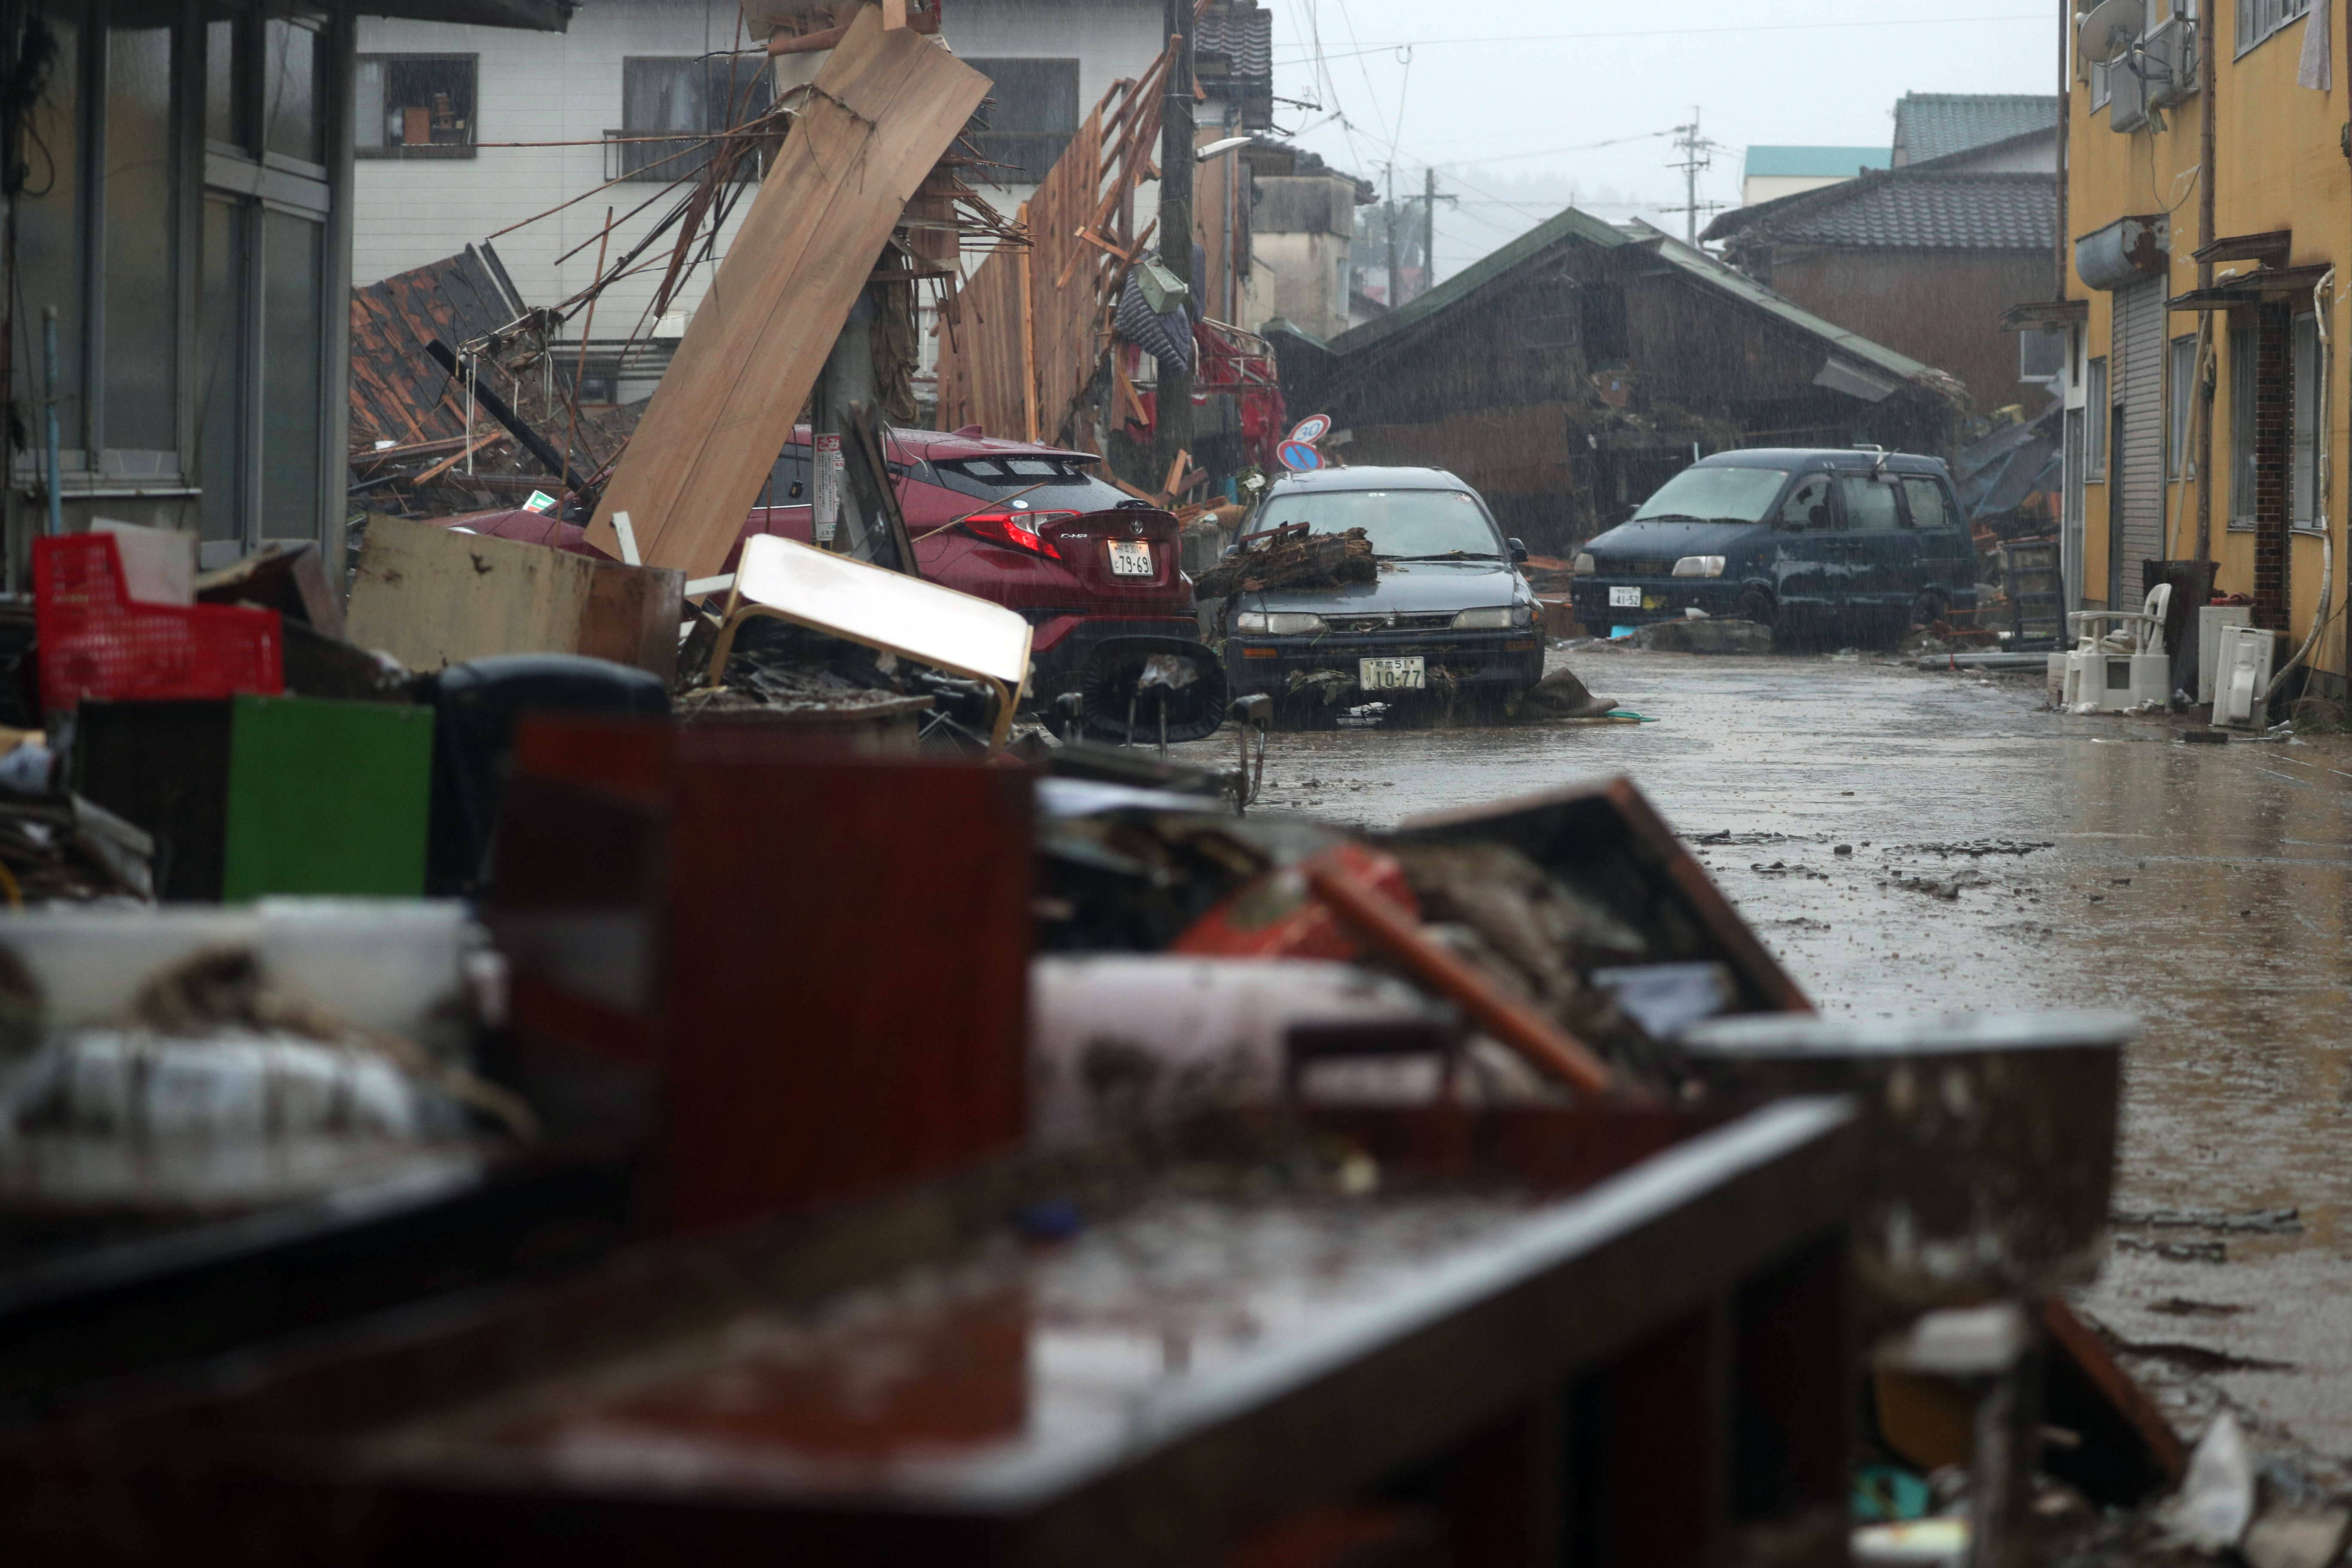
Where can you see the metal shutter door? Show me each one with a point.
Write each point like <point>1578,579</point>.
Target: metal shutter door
<point>2140,354</point>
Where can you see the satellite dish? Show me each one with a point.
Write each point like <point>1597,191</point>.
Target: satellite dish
<point>1312,429</point>
<point>1299,457</point>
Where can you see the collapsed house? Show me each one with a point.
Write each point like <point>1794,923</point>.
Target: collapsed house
<point>1569,372</point>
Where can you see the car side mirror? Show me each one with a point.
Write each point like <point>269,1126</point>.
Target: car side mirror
<point>1230,551</point>
<point>1518,550</point>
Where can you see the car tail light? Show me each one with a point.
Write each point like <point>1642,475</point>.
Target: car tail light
<point>1017,528</point>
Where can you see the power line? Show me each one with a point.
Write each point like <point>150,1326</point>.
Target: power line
<point>1384,46</point>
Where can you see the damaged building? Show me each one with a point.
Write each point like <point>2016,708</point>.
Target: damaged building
<point>1569,372</point>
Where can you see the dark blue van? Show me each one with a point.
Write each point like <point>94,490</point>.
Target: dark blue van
<point>1855,545</point>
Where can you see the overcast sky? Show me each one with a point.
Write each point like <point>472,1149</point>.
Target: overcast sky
<point>1508,108</point>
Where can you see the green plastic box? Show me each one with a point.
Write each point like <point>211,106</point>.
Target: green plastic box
<point>266,794</point>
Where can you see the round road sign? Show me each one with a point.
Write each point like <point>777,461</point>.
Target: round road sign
<point>1312,429</point>
<point>1299,457</point>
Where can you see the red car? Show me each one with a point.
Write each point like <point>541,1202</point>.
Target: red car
<point>1033,528</point>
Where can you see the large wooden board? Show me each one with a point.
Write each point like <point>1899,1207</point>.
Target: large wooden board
<point>430,596</point>
<point>885,109</point>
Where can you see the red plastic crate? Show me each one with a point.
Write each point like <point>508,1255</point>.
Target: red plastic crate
<point>96,641</point>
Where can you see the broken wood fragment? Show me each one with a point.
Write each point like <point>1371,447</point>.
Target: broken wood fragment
<point>886,106</point>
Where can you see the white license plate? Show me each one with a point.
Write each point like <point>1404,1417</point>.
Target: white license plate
<point>1624,599</point>
<point>1129,559</point>
<point>1392,674</point>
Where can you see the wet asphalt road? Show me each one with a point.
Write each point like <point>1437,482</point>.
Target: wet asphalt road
<point>2204,888</point>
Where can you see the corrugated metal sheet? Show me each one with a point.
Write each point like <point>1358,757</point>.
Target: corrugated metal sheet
<point>2138,486</point>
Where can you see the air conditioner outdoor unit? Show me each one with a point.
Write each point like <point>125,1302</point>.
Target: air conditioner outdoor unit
<point>2126,93</point>
<point>2167,61</point>
<point>2241,676</point>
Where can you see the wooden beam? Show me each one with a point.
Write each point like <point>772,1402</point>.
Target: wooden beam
<point>829,38</point>
<point>888,105</point>
<point>894,14</point>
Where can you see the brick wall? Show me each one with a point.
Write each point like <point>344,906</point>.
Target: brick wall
<point>2273,461</point>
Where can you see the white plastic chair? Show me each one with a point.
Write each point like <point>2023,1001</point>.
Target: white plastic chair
<point>2119,660</point>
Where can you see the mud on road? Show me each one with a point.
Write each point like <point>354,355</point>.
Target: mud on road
<point>1911,842</point>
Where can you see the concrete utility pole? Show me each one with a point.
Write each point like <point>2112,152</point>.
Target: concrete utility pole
<point>1694,149</point>
<point>1388,224</point>
<point>1429,229</point>
<point>1176,159</point>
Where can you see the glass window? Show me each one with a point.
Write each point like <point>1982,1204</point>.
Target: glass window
<point>2258,19</point>
<point>2241,425</point>
<point>2180,394</point>
<point>669,105</point>
<point>1043,481</point>
<point>1402,524</point>
<point>1716,495</point>
<point>293,70</point>
<point>2306,474</point>
<point>1870,502</point>
<point>1929,508</point>
<point>1809,505</point>
<point>141,348</point>
<point>49,227</point>
<point>292,260</point>
<point>1027,120</point>
<point>228,117</point>
<point>404,104</point>
<point>221,326</point>
<point>2094,399</point>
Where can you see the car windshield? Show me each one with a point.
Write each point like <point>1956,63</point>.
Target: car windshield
<point>1042,484</point>
<point>1716,494</point>
<point>1404,525</point>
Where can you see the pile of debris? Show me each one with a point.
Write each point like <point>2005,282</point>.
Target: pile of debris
<point>1293,556</point>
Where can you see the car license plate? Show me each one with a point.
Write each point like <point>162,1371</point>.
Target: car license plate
<point>1129,557</point>
<point>1392,674</point>
<point>1624,599</point>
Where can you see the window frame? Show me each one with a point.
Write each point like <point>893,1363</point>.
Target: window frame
<point>2303,436</point>
<point>427,150</point>
<point>216,445</point>
<point>2243,363</point>
<point>2097,399</point>
<point>656,167</point>
<point>2179,407</point>
<point>2254,27</point>
<point>985,140</point>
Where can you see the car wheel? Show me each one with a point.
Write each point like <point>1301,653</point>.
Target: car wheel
<point>1755,604</point>
<point>1926,611</point>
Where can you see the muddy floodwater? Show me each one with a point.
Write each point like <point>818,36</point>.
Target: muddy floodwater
<point>1911,842</point>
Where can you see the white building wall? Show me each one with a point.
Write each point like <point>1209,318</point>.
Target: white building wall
<point>539,87</point>
<point>1111,39</point>
<point>561,91</point>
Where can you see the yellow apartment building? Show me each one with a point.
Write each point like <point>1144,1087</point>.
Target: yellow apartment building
<point>2207,232</point>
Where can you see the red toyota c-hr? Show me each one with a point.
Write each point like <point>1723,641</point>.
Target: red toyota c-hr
<point>1034,528</point>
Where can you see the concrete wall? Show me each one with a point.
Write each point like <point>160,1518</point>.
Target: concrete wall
<point>1306,282</point>
<point>1941,308</point>
<point>2277,166</point>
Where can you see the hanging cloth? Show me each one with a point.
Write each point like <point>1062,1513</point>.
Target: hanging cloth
<point>2317,67</point>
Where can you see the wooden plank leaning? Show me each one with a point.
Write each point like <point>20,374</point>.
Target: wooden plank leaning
<point>884,110</point>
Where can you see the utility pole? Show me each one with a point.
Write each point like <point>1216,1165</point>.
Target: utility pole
<point>1176,160</point>
<point>1429,229</point>
<point>1388,223</point>
<point>1694,149</point>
